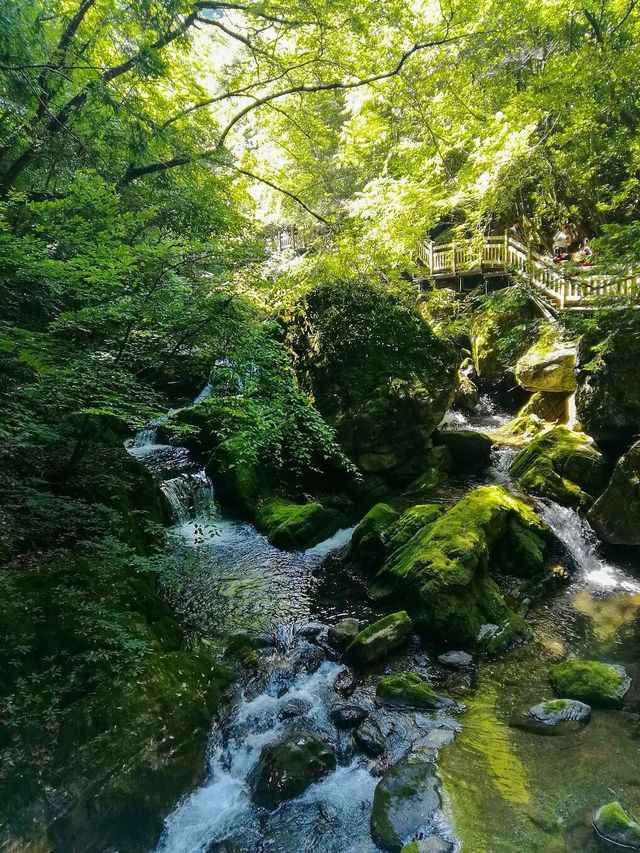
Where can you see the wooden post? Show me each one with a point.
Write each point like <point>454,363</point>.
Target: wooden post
<point>505,249</point>
<point>453,258</point>
<point>431,256</point>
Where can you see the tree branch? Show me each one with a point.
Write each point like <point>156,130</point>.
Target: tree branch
<point>278,189</point>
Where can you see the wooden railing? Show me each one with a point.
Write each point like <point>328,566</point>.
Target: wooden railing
<point>283,240</point>
<point>562,287</point>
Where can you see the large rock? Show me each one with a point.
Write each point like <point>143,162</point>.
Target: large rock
<point>407,690</point>
<point>380,639</point>
<point>442,572</point>
<point>616,828</point>
<point>348,716</point>
<point>502,330</point>
<point>562,465</point>
<point>377,372</point>
<point>590,681</point>
<point>470,450</point>
<point>369,541</point>
<point>406,798</point>
<point>343,633</point>
<point>293,526</point>
<point>615,516</point>
<point>548,365</point>
<point>369,738</point>
<point>608,371</point>
<point>286,768</point>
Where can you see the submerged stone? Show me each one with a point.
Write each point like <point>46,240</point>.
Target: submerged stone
<point>287,767</point>
<point>456,660</point>
<point>562,465</point>
<point>380,639</point>
<point>370,738</point>
<point>615,516</point>
<point>590,681</point>
<point>343,633</point>
<point>406,798</point>
<point>348,716</point>
<point>614,825</point>
<point>407,690</point>
<point>557,716</point>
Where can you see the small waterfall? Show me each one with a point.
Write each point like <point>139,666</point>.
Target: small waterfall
<point>582,546</point>
<point>203,395</point>
<point>147,436</point>
<point>190,497</point>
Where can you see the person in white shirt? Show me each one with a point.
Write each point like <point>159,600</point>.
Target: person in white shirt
<point>561,243</point>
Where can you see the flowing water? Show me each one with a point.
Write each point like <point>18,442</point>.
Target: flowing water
<point>503,789</point>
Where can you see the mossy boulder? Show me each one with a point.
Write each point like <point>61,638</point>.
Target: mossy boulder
<point>406,798</point>
<point>287,767</point>
<point>555,716</point>
<point>590,681</point>
<point>407,690</point>
<point>615,516</point>
<point>410,522</point>
<point>470,450</point>
<point>502,330</point>
<point>379,639</point>
<point>616,828</point>
<point>549,365</point>
<point>377,372</point>
<point>442,573</point>
<point>343,633</point>
<point>608,372</point>
<point>562,465</point>
<point>294,526</point>
<point>368,543</point>
<point>433,844</point>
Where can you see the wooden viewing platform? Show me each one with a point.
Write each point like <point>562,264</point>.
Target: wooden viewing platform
<point>559,287</point>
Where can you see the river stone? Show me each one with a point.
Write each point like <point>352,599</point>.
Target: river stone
<point>616,827</point>
<point>456,660</point>
<point>470,450</point>
<point>590,681</point>
<point>294,708</point>
<point>380,638</point>
<point>406,798</point>
<point>369,738</point>
<point>407,690</point>
<point>433,844</point>
<point>309,660</point>
<point>348,716</point>
<point>343,633</point>
<point>344,683</point>
<point>287,767</point>
<point>559,716</point>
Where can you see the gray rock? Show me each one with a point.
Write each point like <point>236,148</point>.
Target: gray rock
<point>406,798</point>
<point>287,767</point>
<point>616,828</point>
<point>558,716</point>
<point>294,708</point>
<point>343,633</point>
<point>369,738</point>
<point>456,660</point>
<point>433,844</point>
<point>348,716</point>
<point>345,683</point>
<point>309,660</point>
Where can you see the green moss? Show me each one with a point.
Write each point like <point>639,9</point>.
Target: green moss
<point>406,689</point>
<point>410,522</point>
<point>287,768</point>
<point>613,818</point>
<point>368,543</point>
<point>587,680</point>
<point>442,572</point>
<point>380,638</point>
<point>294,526</point>
<point>548,365</point>
<point>562,465</point>
<point>554,706</point>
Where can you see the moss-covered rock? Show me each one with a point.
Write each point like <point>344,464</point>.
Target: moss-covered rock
<point>615,516</point>
<point>369,540</point>
<point>590,681</point>
<point>562,465</point>
<point>410,522</point>
<point>406,798</point>
<point>380,639</point>
<point>287,767</point>
<point>377,372</point>
<point>615,827</point>
<point>433,844</point>
<point>554,717</point>
<point>293,526</point>
<point>407,690</point>
<point>548,365</point>
<point>470,450</point>
<point>467,395</point>
<point>442,572</point>
<point>502,330</point>
<point>343,633</point>
<point>608,372</point>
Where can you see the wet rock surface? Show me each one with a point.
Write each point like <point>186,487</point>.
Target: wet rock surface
<point>556,716</point>
<point>286,768</point>
<point>616,828</point>
<point>348,716</point>
<point>455,660</point>
<point>343,633</point>
<point>380,638</point>
<point>369,737</point>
